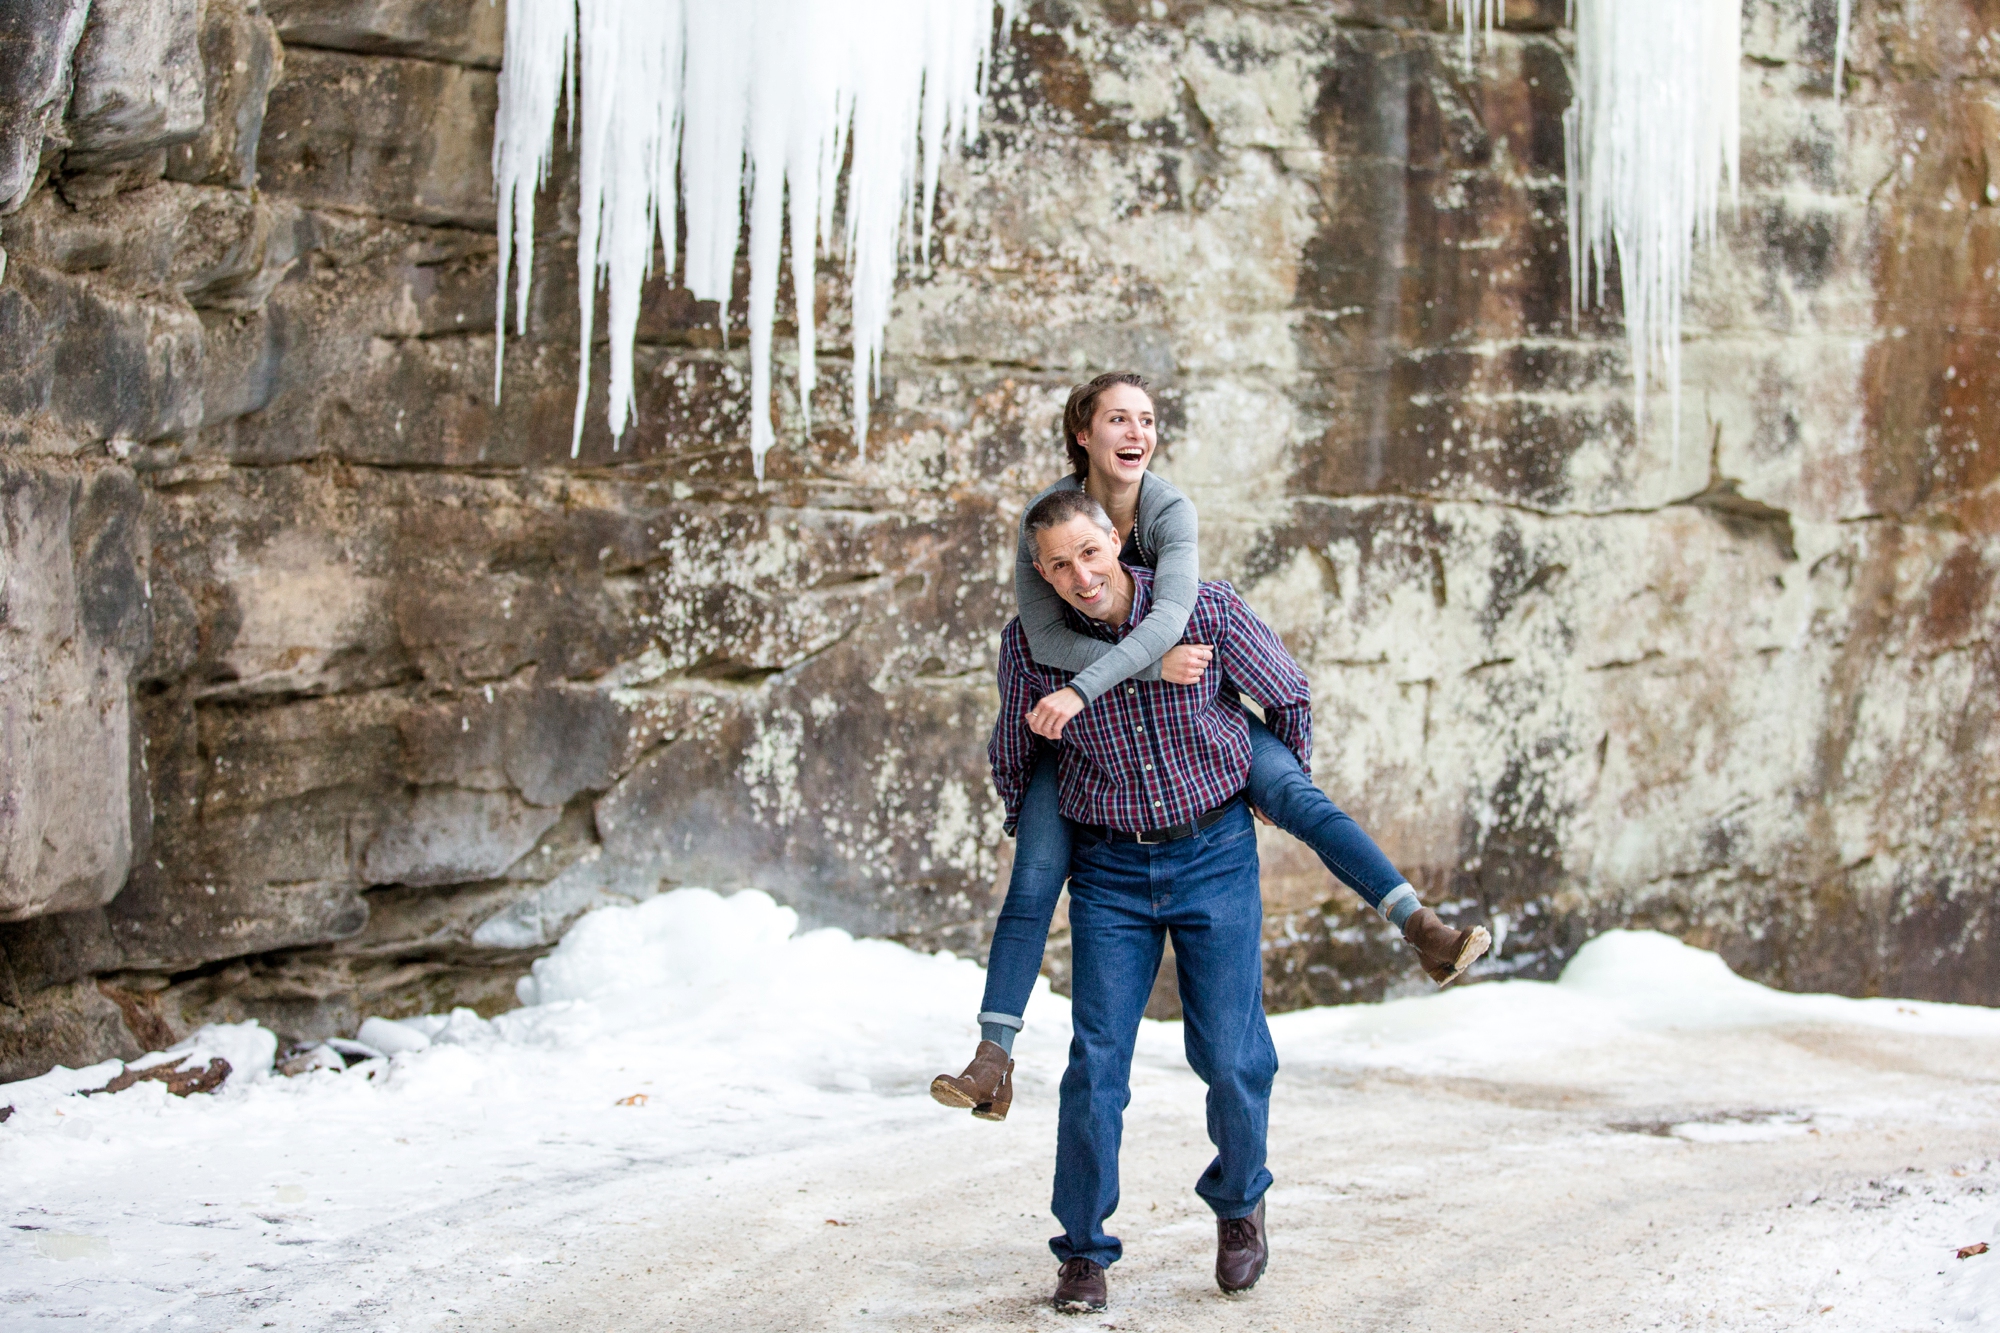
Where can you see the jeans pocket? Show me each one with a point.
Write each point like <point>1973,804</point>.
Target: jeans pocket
<point>1232,827</point>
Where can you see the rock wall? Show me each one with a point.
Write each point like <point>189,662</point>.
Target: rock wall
<point>332,686</point>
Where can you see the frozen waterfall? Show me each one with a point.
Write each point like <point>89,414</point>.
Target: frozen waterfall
<point>684,111</point>
<point>1652,134</point>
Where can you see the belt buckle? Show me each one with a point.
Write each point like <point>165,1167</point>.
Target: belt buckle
<point>1140,838</point>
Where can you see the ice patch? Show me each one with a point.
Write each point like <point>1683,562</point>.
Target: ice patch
<point>65,1247</point>
<point>392,1038</point>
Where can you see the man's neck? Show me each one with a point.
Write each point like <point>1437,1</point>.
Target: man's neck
<point>1119,609</point>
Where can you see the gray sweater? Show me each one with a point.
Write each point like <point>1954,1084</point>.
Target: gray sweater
<point>1164,533</point>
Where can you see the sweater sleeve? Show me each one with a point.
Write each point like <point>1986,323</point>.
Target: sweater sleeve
<point>1173,535</point>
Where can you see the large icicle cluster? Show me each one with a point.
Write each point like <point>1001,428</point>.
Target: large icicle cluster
<point>682,108</point>
<point>1653,132</point>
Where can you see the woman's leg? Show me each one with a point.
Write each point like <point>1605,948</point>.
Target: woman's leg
<point>1281,789</point>
<point>1041,865</point>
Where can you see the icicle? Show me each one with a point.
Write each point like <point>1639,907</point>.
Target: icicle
<point>689,108</point>
<point>543,33</point>
<point>1652,132</point>
<point>1491,12</point>
<point>1840,47</point>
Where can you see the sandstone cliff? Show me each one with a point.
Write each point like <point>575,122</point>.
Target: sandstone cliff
<point>332,687</point>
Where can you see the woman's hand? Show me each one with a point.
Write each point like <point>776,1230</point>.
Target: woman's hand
<point>1185,664</point>
<point>1054,712</point>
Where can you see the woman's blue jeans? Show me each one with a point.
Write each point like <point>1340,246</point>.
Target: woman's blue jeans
<point>1277,786</point>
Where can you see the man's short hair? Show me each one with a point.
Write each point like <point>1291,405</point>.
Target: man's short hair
<point>1059,507</point>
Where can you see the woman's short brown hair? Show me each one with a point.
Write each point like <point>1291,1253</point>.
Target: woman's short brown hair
<point>1082,408</point>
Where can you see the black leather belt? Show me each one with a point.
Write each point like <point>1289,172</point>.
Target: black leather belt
<point>1147,837</point>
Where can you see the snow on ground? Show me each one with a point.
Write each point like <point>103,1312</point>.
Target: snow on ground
<point>516,1172</point>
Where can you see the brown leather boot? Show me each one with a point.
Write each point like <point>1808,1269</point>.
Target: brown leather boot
<point>985,1084</point>
<point>1241,1251</point>
<point>1080,1287</point>
<point>1444,952</point>
<point>1003,1098</point>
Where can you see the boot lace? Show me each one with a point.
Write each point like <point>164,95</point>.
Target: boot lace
<point>1239,1233</point>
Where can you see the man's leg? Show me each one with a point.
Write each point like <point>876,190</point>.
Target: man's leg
<point>1216,916</point>
<point>1115,946</point>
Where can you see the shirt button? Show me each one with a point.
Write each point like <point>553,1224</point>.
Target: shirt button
<point>1149,768</point>
<point>1131,689</point>
<point>1156,805</point>
<point>1138,731</point>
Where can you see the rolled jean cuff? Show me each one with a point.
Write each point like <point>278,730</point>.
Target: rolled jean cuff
<point>1004,1020</point>
<point>1401,904</point>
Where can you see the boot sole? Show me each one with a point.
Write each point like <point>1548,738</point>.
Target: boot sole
<point>987,1111</point>
<point>946,1093</point>
<point>1476,945</point>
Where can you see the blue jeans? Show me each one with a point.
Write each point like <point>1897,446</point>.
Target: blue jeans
<point>1277,786</point>
<point>1124,900</point>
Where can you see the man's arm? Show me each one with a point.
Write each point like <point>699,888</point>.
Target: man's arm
<point>1011,752</point>
<point>1254,659</point>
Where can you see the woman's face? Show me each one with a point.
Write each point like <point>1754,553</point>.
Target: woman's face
<point>1121,439</point>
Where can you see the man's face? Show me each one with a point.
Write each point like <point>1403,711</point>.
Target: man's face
<point>1080,561</point>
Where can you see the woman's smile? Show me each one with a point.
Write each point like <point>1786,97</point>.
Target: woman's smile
<point>1122,435</point>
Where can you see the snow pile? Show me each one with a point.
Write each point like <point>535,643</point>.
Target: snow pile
<point>1625,984</point>
<point>683,108</point>
<point>731,984</point>
<point>248,1047</point>
<point>730,987</point>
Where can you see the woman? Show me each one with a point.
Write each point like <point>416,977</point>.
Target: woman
<point>1109,432</point>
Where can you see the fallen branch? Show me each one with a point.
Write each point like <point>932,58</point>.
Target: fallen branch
<point>180,1082</point>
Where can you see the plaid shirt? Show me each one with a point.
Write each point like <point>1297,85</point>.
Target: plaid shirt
<point>1146,754</point>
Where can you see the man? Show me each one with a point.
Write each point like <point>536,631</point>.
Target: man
<point>1151,776</point>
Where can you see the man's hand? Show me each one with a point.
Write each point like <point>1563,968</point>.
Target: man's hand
<point>1184,665</point>
<point>1054,712</point>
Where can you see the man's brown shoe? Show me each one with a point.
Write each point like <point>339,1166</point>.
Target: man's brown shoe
<point>1240,1251</point>
<point>1080,1287</point>
<point>985,1086</point>
<point>1445,952</point>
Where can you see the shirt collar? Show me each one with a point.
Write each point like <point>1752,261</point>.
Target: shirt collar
<point>1142,602</point>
